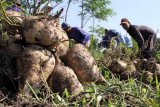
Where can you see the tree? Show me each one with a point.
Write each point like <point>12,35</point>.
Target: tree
<point>69,2</point>
<point>99,30</point>
<point>68,5</point>
<point>97,9</point>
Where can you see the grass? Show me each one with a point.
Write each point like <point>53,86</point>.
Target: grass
<point>114,93</point>
<point>131,92</point>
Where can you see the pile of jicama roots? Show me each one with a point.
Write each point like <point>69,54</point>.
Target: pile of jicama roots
<point>43,55</point>
<point>146,70</point>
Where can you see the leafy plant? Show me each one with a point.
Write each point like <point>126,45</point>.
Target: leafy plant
<point>95,9</point>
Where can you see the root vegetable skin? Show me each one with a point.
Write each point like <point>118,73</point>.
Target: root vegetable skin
<point>83,64</point>
<point>118,66</point>
<point>47,33</point>
<point>35,64</point>
<point>64,78</point>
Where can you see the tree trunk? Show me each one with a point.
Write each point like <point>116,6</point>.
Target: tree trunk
<point>82,16</point>
<point>69,2</point>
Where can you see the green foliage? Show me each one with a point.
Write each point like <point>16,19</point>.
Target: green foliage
<point>157,55</point>
<point>98,30</point>
<point>126,93</point>
<point>95,49</point>
<point>156,51</point>
<point>3,38</point>
<point>33,6</point>
<point>114,93</point>
<point>135,46</point>
<point>6,2</point>
<point>97,8</point>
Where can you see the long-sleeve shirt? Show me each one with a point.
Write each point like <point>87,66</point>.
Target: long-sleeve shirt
<point>126,40</point>
<point>142,35</point>
<point>106,40</point>
<point>14,8</point>
<point>79,35</point>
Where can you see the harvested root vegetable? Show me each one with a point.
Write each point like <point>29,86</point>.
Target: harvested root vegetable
<point>35,64</point>
<point>83,64</point>
<point>46,32</point>
<point>118,66</point>
<point>64,78</point>
<point>63,46</point>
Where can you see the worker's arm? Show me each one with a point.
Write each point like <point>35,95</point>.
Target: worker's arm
<point>139,37</point>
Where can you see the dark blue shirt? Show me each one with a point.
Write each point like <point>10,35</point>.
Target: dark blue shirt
<point>79,35</point>
<point>107,38</point>
<point>14,8</point>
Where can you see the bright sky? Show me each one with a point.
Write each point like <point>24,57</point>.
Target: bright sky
<point>139,12</point>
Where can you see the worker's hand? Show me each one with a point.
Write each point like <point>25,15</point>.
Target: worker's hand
<point>145,45</point>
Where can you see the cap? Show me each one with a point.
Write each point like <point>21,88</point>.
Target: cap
<point>65,25</point>
<point>106,29</point>
<point>124,20</point>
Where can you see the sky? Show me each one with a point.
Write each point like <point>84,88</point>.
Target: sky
<point>139,12</point>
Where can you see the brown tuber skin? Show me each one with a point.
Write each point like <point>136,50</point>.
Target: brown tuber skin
<point>64,78</point>
<point>83,64</point>
<point>35,64</point>
<point>118,66</point>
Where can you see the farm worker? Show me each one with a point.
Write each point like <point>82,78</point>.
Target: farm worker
<point>117,37</point>
<point>15,7</point>
<point>78,34</point>
<point>143,35</point>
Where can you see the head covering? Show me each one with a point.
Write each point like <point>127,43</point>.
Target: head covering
<point>17,2</point>
<point>106,30</point>
<point>124,20</point>
<point>65,25</point>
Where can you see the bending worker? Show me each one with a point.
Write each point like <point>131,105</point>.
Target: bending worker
<point>78,34</point>
<point>118,38</point>
<point>143,35</point>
